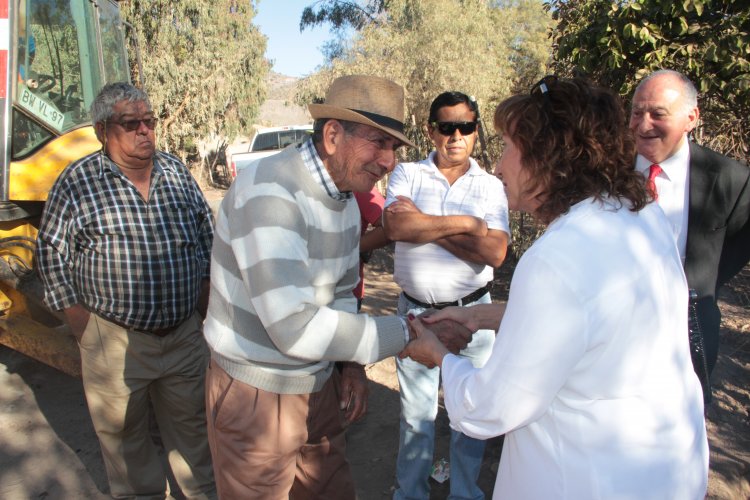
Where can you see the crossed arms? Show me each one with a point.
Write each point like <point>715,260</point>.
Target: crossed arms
<point>465,236</point>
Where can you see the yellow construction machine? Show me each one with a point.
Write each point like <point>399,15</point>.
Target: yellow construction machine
<point>55,55</point>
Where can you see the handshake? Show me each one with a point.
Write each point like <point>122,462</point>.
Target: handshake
<point>433,334</point>
<point>437,333</point>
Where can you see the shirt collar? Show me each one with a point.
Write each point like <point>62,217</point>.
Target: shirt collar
<point>317,169</point>
<point>674,166</point>
<point>107,163</point>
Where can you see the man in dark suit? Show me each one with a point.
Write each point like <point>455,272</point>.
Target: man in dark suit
<point>706,196</point>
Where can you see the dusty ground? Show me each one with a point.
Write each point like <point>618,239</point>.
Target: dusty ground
<point>48,449</point>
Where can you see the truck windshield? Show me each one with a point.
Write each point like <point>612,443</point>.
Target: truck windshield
<point>267,141</point>
<point>66,51</point>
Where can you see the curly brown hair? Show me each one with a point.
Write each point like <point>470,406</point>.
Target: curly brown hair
<point>575,144</point>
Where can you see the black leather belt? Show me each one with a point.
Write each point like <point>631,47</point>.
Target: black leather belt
<point>472,297</point>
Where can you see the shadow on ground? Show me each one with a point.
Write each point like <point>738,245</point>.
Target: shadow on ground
<point>48,448</point>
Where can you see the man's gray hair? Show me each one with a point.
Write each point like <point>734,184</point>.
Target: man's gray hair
<point>689,93</point>
<point>110,95</point>
<point>317,135</point>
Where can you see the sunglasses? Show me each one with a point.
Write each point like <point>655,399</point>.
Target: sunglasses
<point>449,128</point>
<point>131,125</point>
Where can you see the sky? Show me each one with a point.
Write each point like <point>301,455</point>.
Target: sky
<point>293,53</point>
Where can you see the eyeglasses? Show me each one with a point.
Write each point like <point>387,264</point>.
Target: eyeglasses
<point>131,125</point>
<point>449,128</point>
<point>543,86</point>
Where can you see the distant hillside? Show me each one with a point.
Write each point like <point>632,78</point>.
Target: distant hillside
<point>281,86</point>
<point>280,109</point>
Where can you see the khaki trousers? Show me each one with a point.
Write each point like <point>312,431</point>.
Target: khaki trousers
<point>276,446</point>
<point>122,371</point>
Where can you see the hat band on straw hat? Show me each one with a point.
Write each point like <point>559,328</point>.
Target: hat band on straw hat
<point>381,120</point>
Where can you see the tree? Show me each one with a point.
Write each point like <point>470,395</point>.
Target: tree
<point>203,67</point>
<point>341,13</point>
<point>487,49</point>
<point>342,16</point>
<point>618,42</point>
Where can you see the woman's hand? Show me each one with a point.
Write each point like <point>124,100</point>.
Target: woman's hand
<point>476,317</point>
<point>461,315</point>
<point>425,348</point>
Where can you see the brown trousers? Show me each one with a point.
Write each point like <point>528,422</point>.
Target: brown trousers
<point>276,446</point>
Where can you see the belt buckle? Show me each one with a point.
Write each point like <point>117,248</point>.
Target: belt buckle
<point>443,305</point>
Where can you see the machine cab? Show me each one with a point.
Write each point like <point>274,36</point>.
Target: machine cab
<point>55,56</point>
<point>60,53</point>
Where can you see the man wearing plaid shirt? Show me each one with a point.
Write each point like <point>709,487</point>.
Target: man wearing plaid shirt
<point>124,250</point>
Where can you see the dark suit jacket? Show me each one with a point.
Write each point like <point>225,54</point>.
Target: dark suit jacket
<point>718,239</point>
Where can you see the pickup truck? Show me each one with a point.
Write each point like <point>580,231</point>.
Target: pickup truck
<point>268,141</point>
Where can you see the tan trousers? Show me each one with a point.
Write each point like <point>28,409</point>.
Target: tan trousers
<point>276,446</point>
<point>124,370</point>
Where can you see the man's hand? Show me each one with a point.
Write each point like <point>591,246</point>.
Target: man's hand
<point>354,392</point>
<point>426,348</point>
<point>488,250</point>
<point>451,333</point>
<point>404,221</point>
<point>403,205</point>
<point>78,317</point>
<point>202,305</point>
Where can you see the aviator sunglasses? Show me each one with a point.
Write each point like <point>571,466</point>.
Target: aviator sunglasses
<point>131,125</point>
<point>449,128</point>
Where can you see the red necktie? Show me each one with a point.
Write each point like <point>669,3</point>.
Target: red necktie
<point>653,171</point>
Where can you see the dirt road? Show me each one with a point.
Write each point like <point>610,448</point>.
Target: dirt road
<point>48,449</point>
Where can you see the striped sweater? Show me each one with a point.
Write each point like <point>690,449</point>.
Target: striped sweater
<point>284,262</point>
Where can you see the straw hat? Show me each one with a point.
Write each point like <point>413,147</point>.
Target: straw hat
<point>369,100</point>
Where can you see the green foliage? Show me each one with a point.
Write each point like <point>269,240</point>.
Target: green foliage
<point>203,66</point>
<point>343,17</point>
<point>487,49</point>
<point>617,42</point>
<point>341,14</point>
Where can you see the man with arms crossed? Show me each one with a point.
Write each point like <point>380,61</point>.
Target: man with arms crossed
<point>450,221</point>
<point>705,195</point>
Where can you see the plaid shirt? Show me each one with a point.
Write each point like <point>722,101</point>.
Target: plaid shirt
<point>134,262</point>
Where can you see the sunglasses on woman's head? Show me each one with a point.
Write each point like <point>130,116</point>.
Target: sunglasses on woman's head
<point>544,85</point>
<point>449,128</point>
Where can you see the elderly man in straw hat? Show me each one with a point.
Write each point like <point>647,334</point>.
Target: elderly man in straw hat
<point>285,260</point>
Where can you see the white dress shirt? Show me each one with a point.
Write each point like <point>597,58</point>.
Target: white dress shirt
<point>590,376</point>
<point>672,185</point>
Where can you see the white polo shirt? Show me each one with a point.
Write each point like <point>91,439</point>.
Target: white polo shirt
<point>426,271</point>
